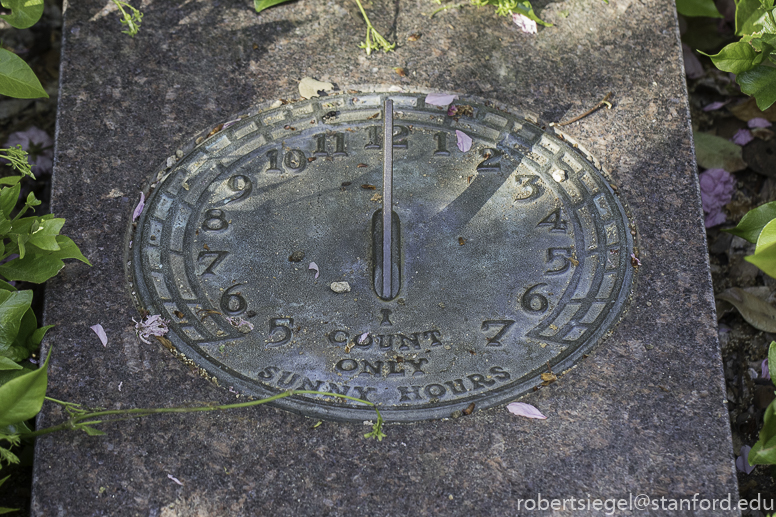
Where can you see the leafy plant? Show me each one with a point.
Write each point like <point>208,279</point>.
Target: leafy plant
<point>753,57</point>
<point>758,226</point>
<point>511,7</point>
<point>374,40</point>
<point>764,451</point>
<point>132,19</point>
<point>16,77</point>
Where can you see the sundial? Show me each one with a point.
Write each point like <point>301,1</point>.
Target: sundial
<point>348,244</point>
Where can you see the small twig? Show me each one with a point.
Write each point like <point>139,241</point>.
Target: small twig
<point>604,102</point>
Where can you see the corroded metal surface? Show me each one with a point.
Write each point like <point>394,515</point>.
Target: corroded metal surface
<point>511,259</point>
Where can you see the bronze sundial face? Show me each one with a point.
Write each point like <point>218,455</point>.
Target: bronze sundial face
<point>489,265</point>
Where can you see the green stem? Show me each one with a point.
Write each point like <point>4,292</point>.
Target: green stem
<point>446,7</point>
<point>372,34</point>
<point>125,414</point>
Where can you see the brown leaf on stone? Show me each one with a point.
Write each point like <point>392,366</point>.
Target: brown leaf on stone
<point>415,36</point>
<point>469,409</point>
<point>166,342</point>
<point>215,130</point>
<point>367,186</point>
<point>400,71</point>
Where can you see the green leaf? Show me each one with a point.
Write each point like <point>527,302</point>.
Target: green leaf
<point>754,221</point>
<point>526,9</point>
<point>737,57</point>
<point>772,359</point>
<point>767,237</point>
<point>764,451</point>
<point>22,398</point>
<point>697,8</point>
<point>4,510</point>
<point>756,311</point>
<point>260,5</point>
<point>91,431</point>
<point>764,258</point>
<point>40,266</point>
<point>13,305</point>
<point>9,364</point>
<point>10,180</point>
<point>45,236</point>
<point>17,79</point>
<point>714,152</point>
<point>5,286</point>
<point>759,82</point>
<point>751,17</point>
<point>22,347</point>
<point>8,199</point>
<point>24,13</point>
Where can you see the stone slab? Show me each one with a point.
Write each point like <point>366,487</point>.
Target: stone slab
<point>643,413</point>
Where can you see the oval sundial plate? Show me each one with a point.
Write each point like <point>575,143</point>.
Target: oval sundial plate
<point>503,259</point>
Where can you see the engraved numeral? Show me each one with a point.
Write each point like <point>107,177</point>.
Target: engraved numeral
<point>295,160</point>
<point>339,145</point>
<point>241,185</point>
<point>555,221</point>
<point>284,326</point>
<point>528,187</point>
<point>492,161</point>
<point>215,220</point>
<point>233,304</point>
<point>219,257</point>
<point>320,145</point>
<point>272,154</point>
<point>441,141</point>
<point>399,137</point>
<point>505,326</point>
<point>373,138</point>
<point>562,254</point>
<point>534,302</point>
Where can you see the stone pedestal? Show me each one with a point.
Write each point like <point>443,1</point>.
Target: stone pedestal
<point>644,413</point>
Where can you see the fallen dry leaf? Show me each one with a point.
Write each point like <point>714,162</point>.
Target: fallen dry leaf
<point>756,311</point>
<point>309,87</point>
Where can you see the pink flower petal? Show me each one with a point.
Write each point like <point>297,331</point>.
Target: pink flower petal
<point>524,23</point>
<point>742,462</point>
<point>742,137</point>
<point>714,105</point>
<point>765,373</point>
<point>314,267</point>
<point>139,207</point>
<point>174,479</point>
<point>440,99</point>
<point>464,141</point>
<point>100,333</point>
<point>362,338</point>
<point>758,122</point>
<point>635,259</point>
<point>526,410</point>
<point>717,187</point>
<point>452,110</point>
<point>152,326</point>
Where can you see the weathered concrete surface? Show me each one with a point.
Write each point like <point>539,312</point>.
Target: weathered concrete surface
<point>644,413</point>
